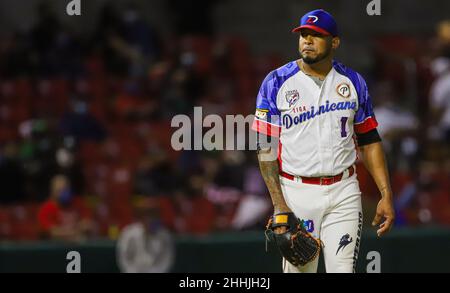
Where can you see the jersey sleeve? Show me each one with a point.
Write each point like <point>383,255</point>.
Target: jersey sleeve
<point>267,116</point>
<point>365,120</point>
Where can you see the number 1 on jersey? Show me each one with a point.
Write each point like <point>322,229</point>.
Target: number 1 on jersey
<point>343,123</point>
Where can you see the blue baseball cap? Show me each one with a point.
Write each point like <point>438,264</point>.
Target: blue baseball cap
<point>320,21</point>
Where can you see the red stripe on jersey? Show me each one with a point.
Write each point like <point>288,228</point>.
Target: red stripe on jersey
<point>266,128</point>
<point>366,126</point>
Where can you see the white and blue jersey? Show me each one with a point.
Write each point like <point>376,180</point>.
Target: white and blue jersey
<point>315,123</point>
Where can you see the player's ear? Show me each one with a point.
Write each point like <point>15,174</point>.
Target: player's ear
<point>335,42</point>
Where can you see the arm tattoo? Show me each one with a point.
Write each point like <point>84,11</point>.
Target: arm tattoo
<point>270,172</point>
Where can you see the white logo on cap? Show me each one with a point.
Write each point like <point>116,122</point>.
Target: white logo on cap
<point>312,19</point>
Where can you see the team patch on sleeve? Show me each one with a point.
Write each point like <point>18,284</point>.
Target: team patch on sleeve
<point>343,90</point>
<point>261,114</point>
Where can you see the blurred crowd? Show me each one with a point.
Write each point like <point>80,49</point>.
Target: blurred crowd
<point>85,127</point>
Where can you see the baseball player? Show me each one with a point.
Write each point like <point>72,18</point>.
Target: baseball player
<point>318,111</point>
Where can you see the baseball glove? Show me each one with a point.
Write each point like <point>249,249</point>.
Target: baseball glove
<point>296,245</point>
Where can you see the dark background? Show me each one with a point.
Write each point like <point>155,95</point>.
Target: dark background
<point>91,98</point>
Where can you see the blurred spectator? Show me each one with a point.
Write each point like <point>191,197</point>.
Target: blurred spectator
<point>425,200</point>
<point>63,216</point>
<point>397,126</point>
<point>12,177</point>
<point>128,44</point>
<point>394,119</point>
<point>37,153</point>
<point>44,36</point>
<point>226,189</point>
<point>145,246</point>
<point>131,104</point>
<point>439,94</point>
<point>142,39</point>
<point>52,44</point>
<point>231,171</point>
<point>107,28</point>
<point>443,34</point>
<point>154,176</point>
<point>79,123</point>
<point>440,99</point>
<point>189,211</point>
<point>182,87</point>
<point>68,166</point>
<point>255,206</point>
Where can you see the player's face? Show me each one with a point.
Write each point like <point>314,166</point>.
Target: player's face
<point>314,46</point>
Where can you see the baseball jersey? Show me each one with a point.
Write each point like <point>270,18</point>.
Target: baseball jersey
<point>315,122</point>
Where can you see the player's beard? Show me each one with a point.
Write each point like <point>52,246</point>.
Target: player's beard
<point>318,58</point>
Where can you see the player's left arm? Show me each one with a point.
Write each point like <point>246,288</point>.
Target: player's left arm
<point>369,142</point>
<point>374,159</point>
